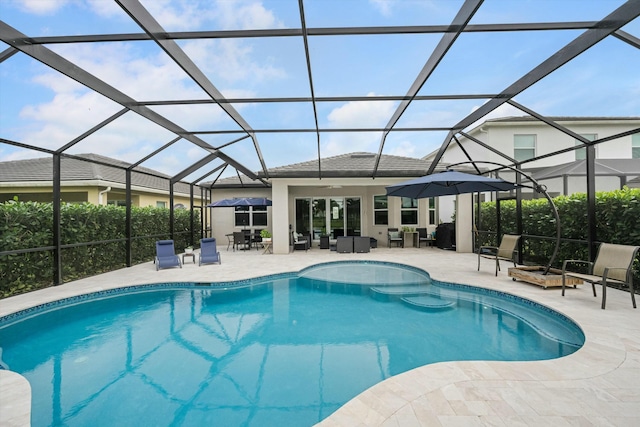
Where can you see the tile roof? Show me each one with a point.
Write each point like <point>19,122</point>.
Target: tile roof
<point>603,167</point>
<point>73,169</point>
<point>512,119</point>
<point>350,165</point>
<point>358,164</point>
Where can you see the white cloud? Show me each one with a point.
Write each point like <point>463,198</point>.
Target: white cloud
<point>357,114</point>
<point>231,60</point>
<point>504,110</point>
<point>383,6</point>
<point>105,8</point>
<point>176,15</point>
<point>243,14</point>
<point>404,148</point>
<point>41,7</point>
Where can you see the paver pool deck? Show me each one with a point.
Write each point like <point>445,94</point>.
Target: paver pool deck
<point>598,385</point>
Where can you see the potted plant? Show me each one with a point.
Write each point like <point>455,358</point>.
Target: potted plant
<point>188,250</point>
<point>266,235</point>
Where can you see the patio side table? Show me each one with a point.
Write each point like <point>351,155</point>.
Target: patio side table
<point>410,239</point>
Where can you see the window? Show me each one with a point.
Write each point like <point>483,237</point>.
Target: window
<point>162,205</point>
<point>635,146</point>
<point>251,216</point>
<point>380,210</point>
<point>581,153</point>
<point>118,203</point>
<point>524,147</point>
<point>432,210</point>
<point>409,211</point>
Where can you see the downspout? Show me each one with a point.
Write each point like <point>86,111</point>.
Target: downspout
<point>101,193</point>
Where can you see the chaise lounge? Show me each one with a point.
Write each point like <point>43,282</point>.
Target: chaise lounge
<point>209,252</point>
<point>166,255</point>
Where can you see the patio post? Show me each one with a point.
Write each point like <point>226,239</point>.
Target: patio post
<point>464,223</point>
<point>280,217</point>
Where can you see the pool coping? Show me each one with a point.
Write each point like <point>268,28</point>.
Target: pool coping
<point>594,384</point>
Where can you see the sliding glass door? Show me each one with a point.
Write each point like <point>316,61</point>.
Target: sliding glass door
<point>353,216</point>
<point>332,216</point>
<point>337,217</point>
<point>319,218</point>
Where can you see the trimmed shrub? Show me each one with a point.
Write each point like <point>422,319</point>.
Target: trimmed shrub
<point>617,216</point>
<point>29,226</point>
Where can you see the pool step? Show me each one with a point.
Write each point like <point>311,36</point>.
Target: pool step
<point>401,290</point>
<point>416,296</point>
<point>428,302</point>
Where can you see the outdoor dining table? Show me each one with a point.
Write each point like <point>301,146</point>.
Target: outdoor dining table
<point>249,239</point>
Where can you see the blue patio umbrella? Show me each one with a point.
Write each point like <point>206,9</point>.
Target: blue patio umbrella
<point>240,201</point>
<point>447,183</point>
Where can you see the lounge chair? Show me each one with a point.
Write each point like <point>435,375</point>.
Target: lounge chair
<point>613,264</point>
<point>209,252</point>
<point>395,236</point>
<point>507,251</point>
<point>166,255</point>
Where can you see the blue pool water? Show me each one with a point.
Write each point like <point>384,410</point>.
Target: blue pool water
<point>284,350</point>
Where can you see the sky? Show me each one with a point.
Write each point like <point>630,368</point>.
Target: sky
<point>40,107</point>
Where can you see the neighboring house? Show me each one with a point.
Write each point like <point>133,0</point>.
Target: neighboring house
<point>522,138</point>
<point>345,201</point>
<point>97,183</point>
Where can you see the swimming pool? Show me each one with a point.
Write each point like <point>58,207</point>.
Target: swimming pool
<point>287,349</point>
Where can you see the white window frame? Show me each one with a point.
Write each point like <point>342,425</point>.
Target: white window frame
<point>432,211</point>
<point>635,146</point>
<point>518,146</point>
<point>376,210</point>
<point>581,153</point>
<point>413,208</point>
<point>251,212</point>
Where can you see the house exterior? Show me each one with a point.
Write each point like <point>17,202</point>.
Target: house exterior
<point>82,181</point>
<point>346,200</point>
<point>522,138</point>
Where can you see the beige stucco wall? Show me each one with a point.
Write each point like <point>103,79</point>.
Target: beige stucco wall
<point>284,192</point>
<point>89,192</point>
<point>222,219</point>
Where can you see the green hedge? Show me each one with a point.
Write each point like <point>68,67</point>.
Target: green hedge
<point>28,225</point>
<point>617,216</point>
